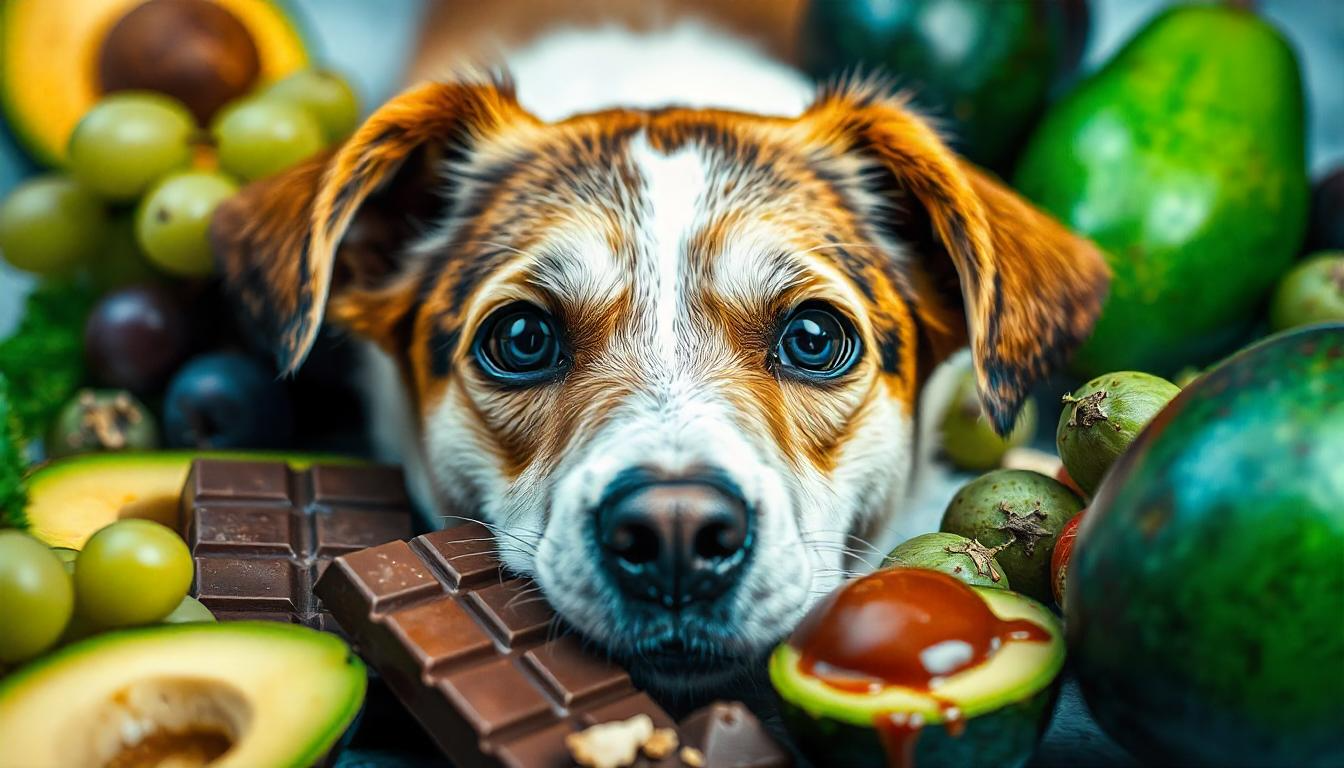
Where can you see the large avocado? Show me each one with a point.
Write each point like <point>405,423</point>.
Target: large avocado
<point>230,695</point>
<point>1184,159</point>
<point>1205,596</point>
<point>982,69</point>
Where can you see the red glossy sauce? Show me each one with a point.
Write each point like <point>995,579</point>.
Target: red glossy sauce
<point>908,627</point>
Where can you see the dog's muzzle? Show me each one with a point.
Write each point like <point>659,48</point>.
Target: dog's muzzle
<point>674,541</point>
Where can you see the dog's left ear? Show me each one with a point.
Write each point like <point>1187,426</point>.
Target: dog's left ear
<point>338,224</point>
<point>1029,290</point>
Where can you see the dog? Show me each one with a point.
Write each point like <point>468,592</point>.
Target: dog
<point>660,311</point>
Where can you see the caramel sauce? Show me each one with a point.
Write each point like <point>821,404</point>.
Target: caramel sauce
<point>905,627</point>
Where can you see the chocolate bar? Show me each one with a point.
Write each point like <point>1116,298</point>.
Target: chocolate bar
<point>260,533</point>
<point>477,656</point>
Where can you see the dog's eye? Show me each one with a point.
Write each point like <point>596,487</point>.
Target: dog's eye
<point>518,345</point>
<point>817,342</point>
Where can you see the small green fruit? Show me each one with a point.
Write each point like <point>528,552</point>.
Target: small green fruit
<point>1312,292</point>
<point>1103,417</point>
<point>1018,514</point>
<point>102,420</point>
<point>969,440</point>
<point>957,556</point>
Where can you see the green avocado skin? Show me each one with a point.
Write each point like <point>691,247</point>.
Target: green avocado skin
<point>1184,159</point>
<point>1206,590</point>
<point>981,69</point>
<point>1006,737</point>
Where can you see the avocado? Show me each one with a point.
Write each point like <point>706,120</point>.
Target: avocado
<point>1184,159</point>
<point>855,696</point>
<point>968,438</point>
<point>49,73</point>
<point>1313,292</point>
<point>984,69</point>
<point>71,498</point>
<point>1206,592</point>
<point>236,694</point>
<point>13,490</point>
<point>1101,418</point>
<point>1018,514</point>
<point>957,556</point>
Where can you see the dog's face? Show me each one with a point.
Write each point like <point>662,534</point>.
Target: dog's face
<point>673,357</point>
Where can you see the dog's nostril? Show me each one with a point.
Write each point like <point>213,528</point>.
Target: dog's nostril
<point>717,541</point>
<point>635,544</point>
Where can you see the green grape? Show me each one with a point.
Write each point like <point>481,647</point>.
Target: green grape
<point>50,224</point>
<point>67,557</point>
<point>131,572</point>
<point>35,597</point>
<point>326,95</point>
<point>188,611</point>
<point>172,224</point>
<point>260,137</point>
<point>128,141</point>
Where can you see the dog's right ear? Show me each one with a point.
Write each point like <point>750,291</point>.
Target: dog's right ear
<point>278,242</point>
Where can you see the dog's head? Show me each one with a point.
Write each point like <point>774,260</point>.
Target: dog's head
<point>674,355</point>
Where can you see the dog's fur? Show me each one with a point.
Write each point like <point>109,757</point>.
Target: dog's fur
<point>669,231</point>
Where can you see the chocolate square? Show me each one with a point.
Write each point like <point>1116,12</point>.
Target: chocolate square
<point>261,533</point>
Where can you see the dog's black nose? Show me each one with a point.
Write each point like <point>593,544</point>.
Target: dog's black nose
<point>674,541</point>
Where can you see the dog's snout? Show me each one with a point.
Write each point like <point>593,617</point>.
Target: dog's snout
<point>674,541</point>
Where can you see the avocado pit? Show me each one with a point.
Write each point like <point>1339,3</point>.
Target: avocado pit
<point>182,722</point>
<point>193,50</point>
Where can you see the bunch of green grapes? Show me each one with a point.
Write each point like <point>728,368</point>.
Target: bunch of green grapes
<point>130,573</point>
<point>143,154</point>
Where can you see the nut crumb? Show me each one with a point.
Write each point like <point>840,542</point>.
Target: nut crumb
<point>610,745</point>
<point>692,757</point>
<point>661,743</point>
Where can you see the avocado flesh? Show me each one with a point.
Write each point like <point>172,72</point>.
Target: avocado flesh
<point>260,693</point>
<point>1184,159</point>
<point>69,499</point>
<point>1005,703</point>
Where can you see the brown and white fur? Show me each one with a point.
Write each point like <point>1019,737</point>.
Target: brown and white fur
<point>668,200</point>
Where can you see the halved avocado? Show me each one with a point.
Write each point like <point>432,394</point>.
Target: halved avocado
<point>990,714</point>
<point>232,694</point>
<point>49,60</point>
<point>70,498</point>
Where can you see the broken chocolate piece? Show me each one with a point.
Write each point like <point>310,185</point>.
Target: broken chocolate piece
<point>727,735</point>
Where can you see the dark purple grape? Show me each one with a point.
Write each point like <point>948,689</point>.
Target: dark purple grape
<point>135,338</point>
<point>226,400</point>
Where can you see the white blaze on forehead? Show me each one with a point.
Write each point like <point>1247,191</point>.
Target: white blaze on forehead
<point>673,193</point>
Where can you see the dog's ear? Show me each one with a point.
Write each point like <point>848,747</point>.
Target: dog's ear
<point>1028,289</point>
<point>340,221</point>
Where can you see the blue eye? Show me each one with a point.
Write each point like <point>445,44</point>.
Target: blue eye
<point>519,345</point>
<point>817,342</point>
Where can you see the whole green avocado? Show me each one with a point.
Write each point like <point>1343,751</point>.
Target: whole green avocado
<point>1184,159</point>
<point>982,69</point>
<point>1206,589</point>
